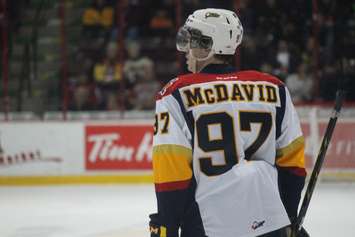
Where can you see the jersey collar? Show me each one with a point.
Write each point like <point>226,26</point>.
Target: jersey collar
<point>218,69</point>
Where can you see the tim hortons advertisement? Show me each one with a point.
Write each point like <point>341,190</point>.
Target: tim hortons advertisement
<point>126,147</point>
<point>118,147</point>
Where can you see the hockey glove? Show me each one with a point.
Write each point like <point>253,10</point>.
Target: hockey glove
<point>301,233</point>
<point>158,230</point>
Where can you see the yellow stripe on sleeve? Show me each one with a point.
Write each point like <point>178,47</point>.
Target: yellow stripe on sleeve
<point>171,163</point>
<point>292,155</point>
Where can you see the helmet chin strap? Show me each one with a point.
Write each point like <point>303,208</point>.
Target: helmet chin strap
<point>195,60</point>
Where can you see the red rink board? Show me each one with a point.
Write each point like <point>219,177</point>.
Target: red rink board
<point>341,150</point>
<point>128,147</point>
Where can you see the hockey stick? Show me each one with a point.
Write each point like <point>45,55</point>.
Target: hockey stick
<point>297,225</point>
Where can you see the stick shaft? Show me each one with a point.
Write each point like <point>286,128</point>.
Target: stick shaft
<point>319,162</point>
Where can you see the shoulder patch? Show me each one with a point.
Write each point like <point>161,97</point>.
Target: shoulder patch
<point>176,83</point>
<point>167,89</point>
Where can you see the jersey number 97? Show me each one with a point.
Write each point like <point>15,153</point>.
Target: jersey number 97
<point>227,141</point>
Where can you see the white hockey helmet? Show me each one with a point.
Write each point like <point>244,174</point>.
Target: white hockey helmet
<point>217,29</point>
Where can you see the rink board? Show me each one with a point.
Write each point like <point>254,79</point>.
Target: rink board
<point>120,152</point>
<point>75,152</point>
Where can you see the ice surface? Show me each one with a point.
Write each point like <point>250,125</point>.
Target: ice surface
<point>122,211</point>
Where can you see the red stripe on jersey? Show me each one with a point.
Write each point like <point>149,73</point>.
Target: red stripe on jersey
<point>196,78</point>
<point>172,186</point>
<point>296,171</point>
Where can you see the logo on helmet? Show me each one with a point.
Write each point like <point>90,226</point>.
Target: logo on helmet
<point>211,14</point>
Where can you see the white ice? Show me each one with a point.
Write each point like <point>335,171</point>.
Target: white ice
<point>122,211</point>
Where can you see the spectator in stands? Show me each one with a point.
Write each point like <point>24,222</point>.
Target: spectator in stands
<point>145,89</point>
<point>306,54</point>
<point>108,78</point>
<point>97,19</point>
<point>161,23</point>
<point>133,69</point>
<point>300,84</point>
<point>80,85</point>
<point>285,60</point>
<point>81,97</point>
<point>283,55</point>
<point>139,76</point>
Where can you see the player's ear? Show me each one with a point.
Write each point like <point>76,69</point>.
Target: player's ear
<point>200,53</point>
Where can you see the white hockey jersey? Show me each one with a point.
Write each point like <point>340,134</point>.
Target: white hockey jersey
<point>227,132</point>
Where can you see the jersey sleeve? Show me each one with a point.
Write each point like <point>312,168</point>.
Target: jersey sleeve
<point>290,144</point>
<point>290,161</point>
<point>172,157</point>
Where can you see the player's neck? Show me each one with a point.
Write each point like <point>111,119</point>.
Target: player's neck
<point>202,64</point>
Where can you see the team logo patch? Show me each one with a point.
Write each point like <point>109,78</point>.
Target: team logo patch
<point>166,87</point>
<point>211,14</point>
<point>257,224</point>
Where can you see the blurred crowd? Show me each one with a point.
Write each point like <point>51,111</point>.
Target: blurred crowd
<point>123,68</point>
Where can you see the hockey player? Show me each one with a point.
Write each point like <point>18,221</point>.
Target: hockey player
<point>228,150</point>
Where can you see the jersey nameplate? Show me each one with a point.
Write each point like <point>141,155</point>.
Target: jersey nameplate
<point>239,92</point>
